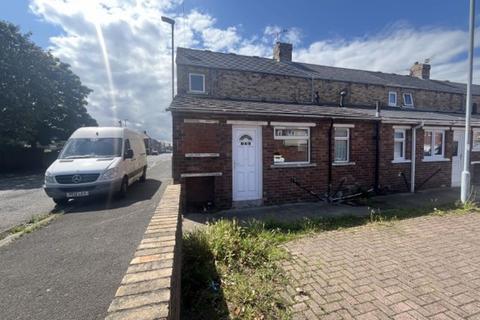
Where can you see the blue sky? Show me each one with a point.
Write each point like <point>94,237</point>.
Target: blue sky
<point>318,19</point>
<point>369,34</point>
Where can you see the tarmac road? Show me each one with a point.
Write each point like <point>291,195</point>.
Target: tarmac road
<point>71,268</point>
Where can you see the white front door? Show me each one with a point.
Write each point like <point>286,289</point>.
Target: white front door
<point>247,162</point>
<point>457,157</point>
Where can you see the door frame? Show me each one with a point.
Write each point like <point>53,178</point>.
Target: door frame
<point>462,131</point>
<point>259,162</point>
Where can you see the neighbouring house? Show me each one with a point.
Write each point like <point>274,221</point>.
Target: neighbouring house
<point>252,130</point>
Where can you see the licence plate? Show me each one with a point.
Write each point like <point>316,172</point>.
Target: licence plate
<point>77,194</point>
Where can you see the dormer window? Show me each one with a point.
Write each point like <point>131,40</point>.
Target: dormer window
<point>408,100</point>
<point>196,83</point>
<point>392,99</point>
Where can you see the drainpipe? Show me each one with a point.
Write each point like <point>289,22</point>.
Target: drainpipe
<point>329,182</point>
<point>377,148</point>
<point>414,156</point>
<point>312,91</point>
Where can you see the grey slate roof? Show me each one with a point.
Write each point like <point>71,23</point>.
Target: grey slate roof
<point>205,58</point>
<point>197,104</point>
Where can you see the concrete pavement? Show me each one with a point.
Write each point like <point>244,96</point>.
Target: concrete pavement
<point>22,197</point>
<point>71,268</point>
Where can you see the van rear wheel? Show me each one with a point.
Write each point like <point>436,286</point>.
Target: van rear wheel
<point>143,178</point>
<point>122,193</point>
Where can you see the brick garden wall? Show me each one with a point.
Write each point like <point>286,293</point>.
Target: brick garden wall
<point>151,286</point>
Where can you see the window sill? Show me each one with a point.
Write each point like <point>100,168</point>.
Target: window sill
<point>402,161</point>
<point>475,150</point>
<point>339,164</point>
<point>435,159</point>
<point>197,92</point>
<point>293,165</point>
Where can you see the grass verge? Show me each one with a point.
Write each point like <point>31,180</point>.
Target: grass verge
<point>231,271</point>
<point>34,223</point>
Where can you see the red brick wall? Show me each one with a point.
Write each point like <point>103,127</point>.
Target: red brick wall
<point>390,173</point>
<point>277,185</point>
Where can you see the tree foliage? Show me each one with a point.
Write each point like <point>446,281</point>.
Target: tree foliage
<point>41,99</point>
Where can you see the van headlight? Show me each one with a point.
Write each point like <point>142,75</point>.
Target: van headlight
<point>109,174</point>
<point>49,178</point>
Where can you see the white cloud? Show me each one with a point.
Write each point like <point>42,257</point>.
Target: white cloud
<point>291,35</point>
<point>138,44</point>
<point>217,39</point>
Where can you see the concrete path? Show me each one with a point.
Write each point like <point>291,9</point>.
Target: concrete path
<point>71,268</point>
<point>421,268</point>
<point>299,211</point>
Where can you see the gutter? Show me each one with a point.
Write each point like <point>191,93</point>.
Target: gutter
<point>414,155</point>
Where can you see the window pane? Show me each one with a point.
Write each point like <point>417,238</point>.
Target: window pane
<point>341,132</point>
<point>407,99</point>
<point>438,143</point>
<point>427,144</point>
<point>399,134</point>
<point>291,150</point>
<point>398,150</point>
<point>196,82</point>
<point>341,150</point>
<point>291,132</point>
<point>455,148</point>
<point>392,99</point>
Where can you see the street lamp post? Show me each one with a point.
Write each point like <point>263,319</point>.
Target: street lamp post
<point>465,187</point>
<point>172,23</point>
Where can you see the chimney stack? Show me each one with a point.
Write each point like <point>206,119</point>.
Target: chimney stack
<point>282,51</point>
<point>420,70</point>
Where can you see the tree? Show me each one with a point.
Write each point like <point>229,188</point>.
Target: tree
<point>41,99</point>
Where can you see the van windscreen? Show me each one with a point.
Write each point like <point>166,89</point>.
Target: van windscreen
<point>92,148</point>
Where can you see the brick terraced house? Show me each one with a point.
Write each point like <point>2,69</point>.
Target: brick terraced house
<point>246,128</point>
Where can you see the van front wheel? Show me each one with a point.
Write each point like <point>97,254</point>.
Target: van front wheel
<point>60,201</point>
<point>122,193</point>
<point>143,177</point>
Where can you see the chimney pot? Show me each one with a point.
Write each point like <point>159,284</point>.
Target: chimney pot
<point>420,70</point>
<point>282,51</point>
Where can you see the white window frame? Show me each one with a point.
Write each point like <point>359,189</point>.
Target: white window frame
<point>411,98</point>
<point>435,156</point>
<point>403,141</point>
<point>347,138</point>
<point>396,101</point>
<point>307,137</point>
<point>475,148</point>
<point>190,82</point>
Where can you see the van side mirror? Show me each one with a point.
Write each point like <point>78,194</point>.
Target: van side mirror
<point>128,154</point>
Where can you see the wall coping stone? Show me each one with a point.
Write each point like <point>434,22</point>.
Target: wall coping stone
<point>150,289</point>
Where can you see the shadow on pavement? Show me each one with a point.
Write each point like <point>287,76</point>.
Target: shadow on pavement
<point>137,192</point>
<point>21,182</point>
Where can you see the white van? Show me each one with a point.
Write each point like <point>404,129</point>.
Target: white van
<point>97,160</point>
